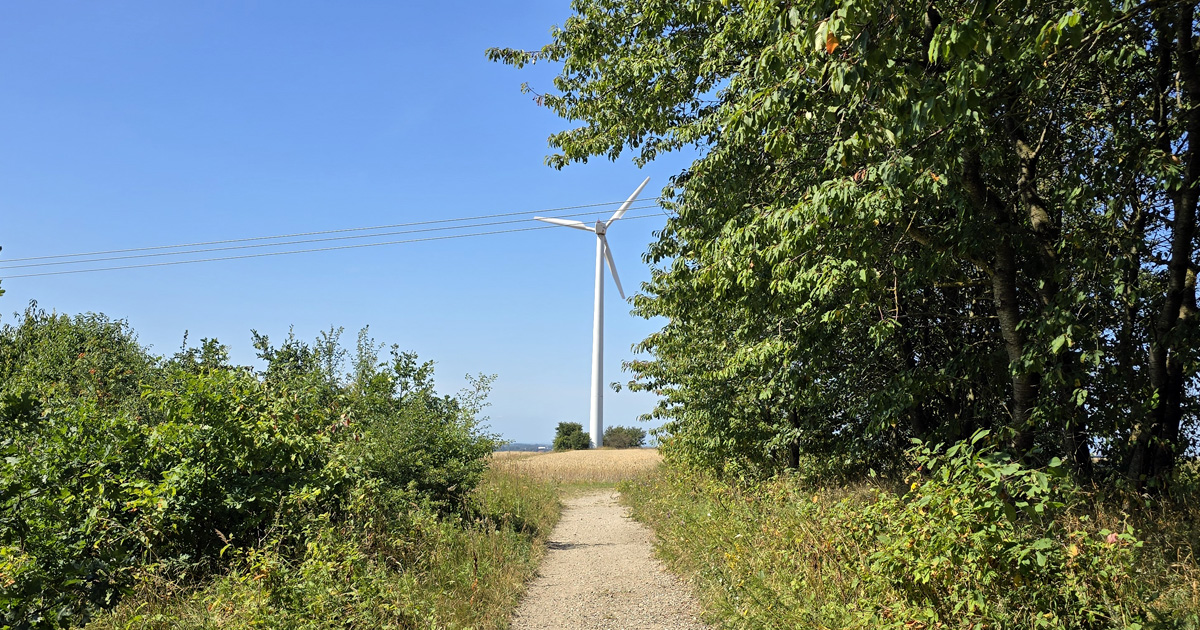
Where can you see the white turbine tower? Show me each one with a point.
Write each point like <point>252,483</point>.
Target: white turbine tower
<point>602,253</point>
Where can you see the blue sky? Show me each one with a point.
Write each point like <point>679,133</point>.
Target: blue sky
<point>134,124</point>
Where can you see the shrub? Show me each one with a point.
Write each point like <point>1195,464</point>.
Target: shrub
<point>570,437</point>
<point>115,464</point>
<point>430,445</point>
<point>68,541</point>
<point>397,566</point>
<point>982,537</point>
<point>88,356</point>
<point>974,540</point>
<point>624,437</point>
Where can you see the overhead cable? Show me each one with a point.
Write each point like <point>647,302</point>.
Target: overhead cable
<point>320,232</point>
<point>464,226</point>
<point>300,251</point>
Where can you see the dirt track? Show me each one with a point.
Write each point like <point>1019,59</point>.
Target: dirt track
<point>599,573</point>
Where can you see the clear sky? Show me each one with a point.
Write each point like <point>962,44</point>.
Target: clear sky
<point>134,124</point>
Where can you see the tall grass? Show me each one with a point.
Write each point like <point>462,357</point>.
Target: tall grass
<point>410,569</point>
<point>789,554</point>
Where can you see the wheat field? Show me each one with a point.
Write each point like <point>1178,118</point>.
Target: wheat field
<point>600,466</point>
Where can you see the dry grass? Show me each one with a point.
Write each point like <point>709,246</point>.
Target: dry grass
<point>603,466</point>
<point>506,455</point>
<point>787,554</point>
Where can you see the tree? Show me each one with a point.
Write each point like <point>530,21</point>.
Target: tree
<point>570,437</point>
<point>624,437</point>
<point>912,220</point>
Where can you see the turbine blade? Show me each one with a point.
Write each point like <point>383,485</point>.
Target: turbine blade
<point>628,202</point>
<point>578,225</point>
<point>612,266</point>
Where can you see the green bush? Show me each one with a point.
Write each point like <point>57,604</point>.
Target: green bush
<point>973,540</point>
<point>427,444</point>
<point>979,536</point>
<point>624,437</point>
<point>115,464</point>
<point>385,566</point>
<point>570,437</point>
<point>68,535</point>
<point>86,357</point>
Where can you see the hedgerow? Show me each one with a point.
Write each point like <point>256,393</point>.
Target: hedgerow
<point>116,465</point>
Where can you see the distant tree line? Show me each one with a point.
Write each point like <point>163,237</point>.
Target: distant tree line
<point>569,436</point>
<point>624,437</point>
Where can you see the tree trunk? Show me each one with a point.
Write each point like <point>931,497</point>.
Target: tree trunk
<point>1025,384</point>
<point>793,456</point>
<point>1156,441</point>
<point>919,424</point>
<point>1046,232</point>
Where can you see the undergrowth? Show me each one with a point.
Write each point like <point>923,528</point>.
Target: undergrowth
<point>970,540</point>
<point>143,491</point>
<point>409,568</point>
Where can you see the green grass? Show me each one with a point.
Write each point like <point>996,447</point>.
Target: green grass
<point>412,570</point>
<point>787,554</point>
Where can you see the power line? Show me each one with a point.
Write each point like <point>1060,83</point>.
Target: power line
<point>317,233</point>
<point>282,243</point>
<point>303,251</point>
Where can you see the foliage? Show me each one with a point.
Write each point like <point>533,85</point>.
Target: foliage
<point>88,357</point>
<point>118,464</point>
<point>569,436</point>
<point>979,536</point>
<point>624,437</point>
<point>975,540</point>
<point>906,220</point>
<point>392,569</point>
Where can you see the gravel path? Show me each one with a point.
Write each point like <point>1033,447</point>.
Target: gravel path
<point>599,574</point>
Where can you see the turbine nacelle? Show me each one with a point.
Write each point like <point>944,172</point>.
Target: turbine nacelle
<point>600,229</point>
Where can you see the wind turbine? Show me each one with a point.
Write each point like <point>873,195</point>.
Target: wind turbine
<point>603,252</point>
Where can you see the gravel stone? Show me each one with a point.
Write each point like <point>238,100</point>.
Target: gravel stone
<point>599,573</point>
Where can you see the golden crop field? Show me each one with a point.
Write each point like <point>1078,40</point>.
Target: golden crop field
<point>571,467</point>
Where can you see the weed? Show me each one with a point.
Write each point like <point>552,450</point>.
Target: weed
<point>970,541</point>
